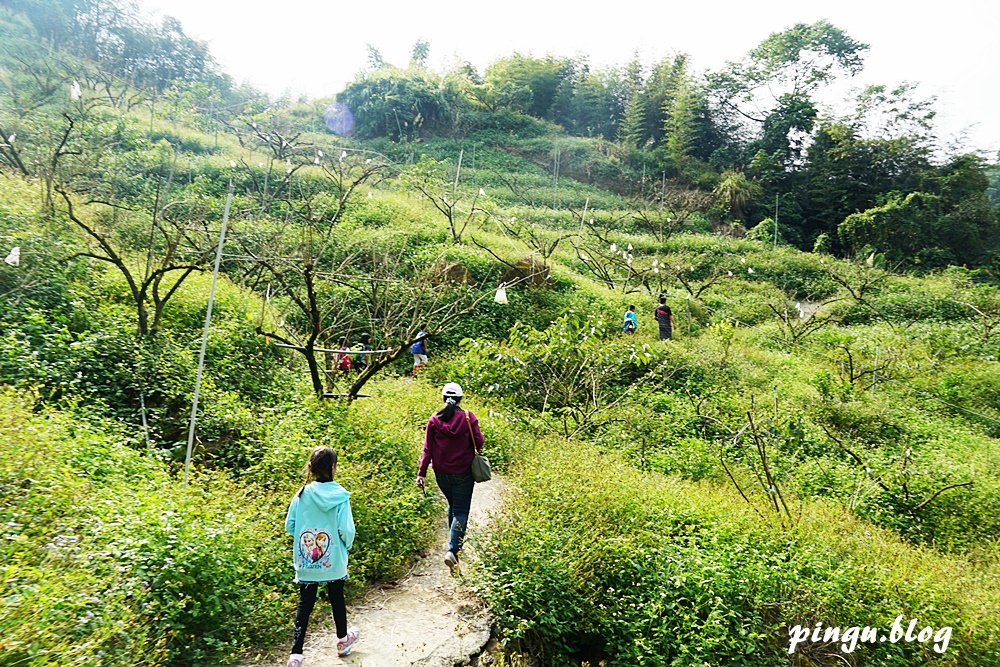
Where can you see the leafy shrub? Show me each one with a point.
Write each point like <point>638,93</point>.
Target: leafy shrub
<point>912,472</point>
<point>526,305</point>
<point>605,564</point>
<point>972,389</point>
<point>743,301</point>
<point>905,300</point>
<point>86,352</point>
<point>109,561</point>
<point>497,127</point>
<point>373,213</point>
<point>185,141</point>
<point>800,275</point>
<point>567,372</point>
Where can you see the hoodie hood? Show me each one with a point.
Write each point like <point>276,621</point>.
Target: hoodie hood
<point>453,427</point>
<point>320,522</point>
<point>327,495</point>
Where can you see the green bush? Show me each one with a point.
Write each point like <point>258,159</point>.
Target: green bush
<point>373,213</point>
<point>499,127</point>
<point>604,564</point>
<point>743,301</point>
<point>800,275</point>
<point>906,300</point>
<point>530,306</point>
<point>971,389</point>
<point>565,374</point>
<point>109,561</point>
<point>378,441</point>
<point>185,141</point>
<point>86,352</point>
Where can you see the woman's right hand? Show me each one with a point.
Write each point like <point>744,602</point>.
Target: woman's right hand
<point>421,481</point>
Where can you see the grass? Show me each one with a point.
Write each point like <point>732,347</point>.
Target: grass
<point>649,569</point>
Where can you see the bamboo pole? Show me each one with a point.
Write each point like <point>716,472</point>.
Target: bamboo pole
<point>204,336</point>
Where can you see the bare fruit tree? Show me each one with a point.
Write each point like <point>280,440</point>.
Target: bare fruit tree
<point>428,178</point>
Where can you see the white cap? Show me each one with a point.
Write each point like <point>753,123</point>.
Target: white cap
<point>451,389</point>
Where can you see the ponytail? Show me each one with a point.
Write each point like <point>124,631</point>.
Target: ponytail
<point>448,411</point>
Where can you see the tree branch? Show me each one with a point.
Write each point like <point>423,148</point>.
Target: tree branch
<point>938,493</point>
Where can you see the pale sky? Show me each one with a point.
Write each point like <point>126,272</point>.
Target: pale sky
<point>315,47</point>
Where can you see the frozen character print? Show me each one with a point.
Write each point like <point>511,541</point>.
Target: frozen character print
<point>307,542</point>
<point>322,546</point>
<point>320,522</point>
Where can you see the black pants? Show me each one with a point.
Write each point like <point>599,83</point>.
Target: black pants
<point>307,600</point>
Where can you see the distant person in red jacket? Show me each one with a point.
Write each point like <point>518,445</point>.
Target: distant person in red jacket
<point>664,319</point>
<point>342,357</point>
<point>448,444</point>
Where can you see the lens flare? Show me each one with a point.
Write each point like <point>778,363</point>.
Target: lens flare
<point>339,119</point>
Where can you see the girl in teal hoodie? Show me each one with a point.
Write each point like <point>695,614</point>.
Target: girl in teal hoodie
<point>320,522</point>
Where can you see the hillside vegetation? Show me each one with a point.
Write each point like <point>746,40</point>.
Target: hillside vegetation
<point>816,447</point>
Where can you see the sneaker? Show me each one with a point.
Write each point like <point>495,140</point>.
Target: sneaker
<point>451,560</point>
<point>295,660</point>
<point>346,643</point>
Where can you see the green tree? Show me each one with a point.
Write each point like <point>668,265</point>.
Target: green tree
<point>885,145</point>
<point>533,81</point>
<point>113,35</point>
<point>419,54</point>
<point>839,179</point>
<point>894,113</point>
<point>631,130</point>
<point>399,104</point>
<point>375,59</point>
<point>737,193</point>
<point>901,228</point>
<point>969,228</point>
<point>993,190</point>
<point>680,127</point>
<point>660,94</point>
<point>891,198</point>
<point>768,96</point>
<point>586,101</point>
<point>794,62</point>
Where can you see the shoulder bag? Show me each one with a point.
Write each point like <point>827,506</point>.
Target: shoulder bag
<point>480,464</point>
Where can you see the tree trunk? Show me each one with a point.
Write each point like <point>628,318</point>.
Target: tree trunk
<point>314,370</point>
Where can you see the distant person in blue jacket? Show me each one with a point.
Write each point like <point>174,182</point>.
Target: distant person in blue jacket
<point>320,522</point>
<point>419,350</point>
<point>631,320</point>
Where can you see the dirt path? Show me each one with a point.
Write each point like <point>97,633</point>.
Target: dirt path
<point>427,618</point>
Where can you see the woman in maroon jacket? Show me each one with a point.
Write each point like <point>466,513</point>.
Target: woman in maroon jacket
<point>448,444</point>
